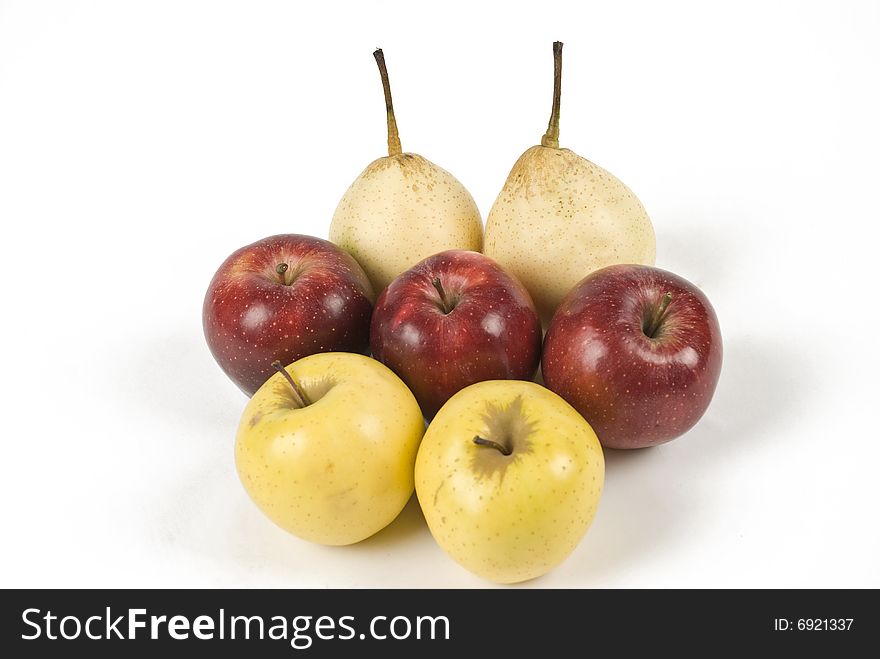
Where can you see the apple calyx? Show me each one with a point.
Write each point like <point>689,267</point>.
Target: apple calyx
<point>298,394</point>
<point>501,448</point>
<point>394,147</point>
<point>551,137</point>
<point>650,328</point>
<point>446,304</point>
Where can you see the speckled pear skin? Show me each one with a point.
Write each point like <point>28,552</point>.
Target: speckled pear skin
<point>558,218</point>
<point>402,209</point>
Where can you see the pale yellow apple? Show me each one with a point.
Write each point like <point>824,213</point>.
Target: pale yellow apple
<point>402,209</point>
<point>559,217</point>
<point>340,468</point>
<point>514,503</point>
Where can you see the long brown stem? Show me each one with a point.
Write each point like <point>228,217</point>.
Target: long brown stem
<point>393,137</point>
<point>551,137</point>
<point>300,395</point>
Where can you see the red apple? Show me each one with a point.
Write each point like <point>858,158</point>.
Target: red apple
<point>454,319</point>
<point>284,297</point>
<point>637,351</point>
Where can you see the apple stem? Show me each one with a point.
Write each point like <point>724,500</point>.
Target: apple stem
<point>394,147</point>
<point>480,441</point>
<point>551,137</point>
<point>657,318</point>
<point>281,268</point>
<point>300,395</point>
<point>445,305</point>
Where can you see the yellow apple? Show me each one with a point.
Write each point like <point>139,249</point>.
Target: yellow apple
<point>508,476</point>
<point>326,447</point>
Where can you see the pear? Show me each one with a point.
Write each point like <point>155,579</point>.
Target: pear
<point>559,217</point>
<point>402,209</point>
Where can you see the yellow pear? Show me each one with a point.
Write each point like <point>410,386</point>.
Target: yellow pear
<point>402,209</point>
<point>559,217</point>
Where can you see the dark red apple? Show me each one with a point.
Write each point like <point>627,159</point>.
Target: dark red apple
<point>454,319</point>
<point>637,351</point>
<point>284,297</point>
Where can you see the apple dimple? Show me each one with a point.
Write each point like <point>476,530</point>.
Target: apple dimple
<point>446,299</point>
<point>314,389</point>
<point>507,435</point>
<point>654,315</point>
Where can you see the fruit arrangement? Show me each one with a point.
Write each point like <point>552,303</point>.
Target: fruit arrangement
<point>399,356</point>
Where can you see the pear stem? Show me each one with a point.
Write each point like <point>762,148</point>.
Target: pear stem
<point>551,137</point>
<point>657,317</point>
<point>445,306</point>
<point>300,395</point>
<point>480,441</point>
<point>393,136</point>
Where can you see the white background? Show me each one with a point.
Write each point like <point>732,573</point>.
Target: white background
<point>142,142</point>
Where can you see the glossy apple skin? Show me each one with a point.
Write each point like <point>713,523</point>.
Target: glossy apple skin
<point>251,318</point>
<point>340,469</point>
<point>635,391</point>
<point>492,333</point>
